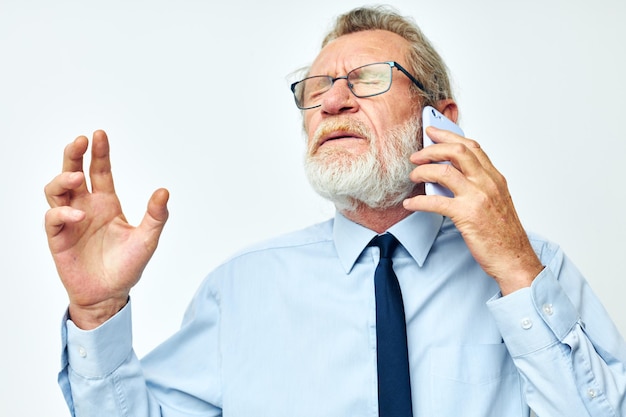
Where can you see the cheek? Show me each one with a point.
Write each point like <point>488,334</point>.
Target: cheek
<point>380,114</point>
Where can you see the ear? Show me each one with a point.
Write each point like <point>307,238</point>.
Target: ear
<point>448,108</point>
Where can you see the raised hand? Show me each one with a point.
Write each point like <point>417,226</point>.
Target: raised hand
<point>98,255</point>
<point>482,208</point>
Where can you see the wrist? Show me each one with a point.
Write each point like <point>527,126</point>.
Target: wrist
<point>92,316</point>
<point>518,280</point>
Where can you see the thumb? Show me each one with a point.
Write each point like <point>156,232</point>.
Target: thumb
<point>157,207</point>
<point>156,215</point>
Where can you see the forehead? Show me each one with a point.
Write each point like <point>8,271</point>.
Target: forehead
<point>355,49</point>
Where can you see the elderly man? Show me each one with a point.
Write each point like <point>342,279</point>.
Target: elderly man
<point>404,304</point>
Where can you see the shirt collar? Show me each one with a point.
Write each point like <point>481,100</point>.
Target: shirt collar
<point>416,233</point>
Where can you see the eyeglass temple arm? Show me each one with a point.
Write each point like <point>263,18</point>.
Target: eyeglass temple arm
<point>411,77</point>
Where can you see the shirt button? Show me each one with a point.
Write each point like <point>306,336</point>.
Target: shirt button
<point>82,352</point>
<point>526,324</point>
<point>547,308</point>
<point>591,393</point>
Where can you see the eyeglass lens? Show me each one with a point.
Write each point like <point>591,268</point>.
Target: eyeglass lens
<point>368,80</point>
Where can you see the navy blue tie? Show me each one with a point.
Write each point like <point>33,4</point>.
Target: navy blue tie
<point>394,384</point>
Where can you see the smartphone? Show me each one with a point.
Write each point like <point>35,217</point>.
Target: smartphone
<point>432,117</point>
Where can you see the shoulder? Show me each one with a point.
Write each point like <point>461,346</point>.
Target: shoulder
<point>270,258</point>
<point>316,234</point>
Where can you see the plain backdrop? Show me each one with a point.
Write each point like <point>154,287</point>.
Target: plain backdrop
<point>194,96</point>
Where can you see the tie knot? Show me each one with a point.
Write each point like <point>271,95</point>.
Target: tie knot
<point>387,244</point>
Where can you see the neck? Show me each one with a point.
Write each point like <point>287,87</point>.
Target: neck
<point>378,220</point>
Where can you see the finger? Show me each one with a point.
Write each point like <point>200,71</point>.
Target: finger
<point>73,160</point>
<point>467,173</point>
<point>100,168</point>
<point>458,154</point>
<point>155,218</point>
<point>58,191</point>
<point>73,154</point>
<point>443,174</point>
<point>444,136</point>
<point>157,206</point>
<point>464,153</point>
<point>57,218</point>
<point>454,142</point>
<point>430,203</point>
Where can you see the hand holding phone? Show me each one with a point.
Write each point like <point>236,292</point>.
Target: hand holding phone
<point>432,117</point>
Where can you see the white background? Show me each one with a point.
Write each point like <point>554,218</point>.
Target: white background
<point>194,96</point>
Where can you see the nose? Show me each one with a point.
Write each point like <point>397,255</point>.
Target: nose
<point>339,99</point>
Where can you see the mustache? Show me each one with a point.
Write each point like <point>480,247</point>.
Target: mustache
<point>329,126</point>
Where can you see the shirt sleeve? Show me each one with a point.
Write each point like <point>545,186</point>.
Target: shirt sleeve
<point>569,353</point>
<point>101,374</point>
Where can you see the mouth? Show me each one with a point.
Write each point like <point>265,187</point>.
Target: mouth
<point>339,135</point>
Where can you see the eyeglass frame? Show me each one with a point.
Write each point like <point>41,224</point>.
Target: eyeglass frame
<point>392,64</point>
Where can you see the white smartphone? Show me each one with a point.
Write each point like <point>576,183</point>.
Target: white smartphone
<point>432,117</point>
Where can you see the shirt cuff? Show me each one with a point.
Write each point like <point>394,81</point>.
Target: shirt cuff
<point>98,352</point>
<point>533,318</point>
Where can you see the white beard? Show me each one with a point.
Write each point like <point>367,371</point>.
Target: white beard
<point>378,179</point>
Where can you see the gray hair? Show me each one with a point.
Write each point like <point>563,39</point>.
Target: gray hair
<point>423,60</point>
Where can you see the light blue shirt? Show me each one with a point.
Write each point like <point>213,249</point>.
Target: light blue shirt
<point>287,328</point>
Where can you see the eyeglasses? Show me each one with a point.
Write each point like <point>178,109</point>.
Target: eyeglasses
<point>365,81</point>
